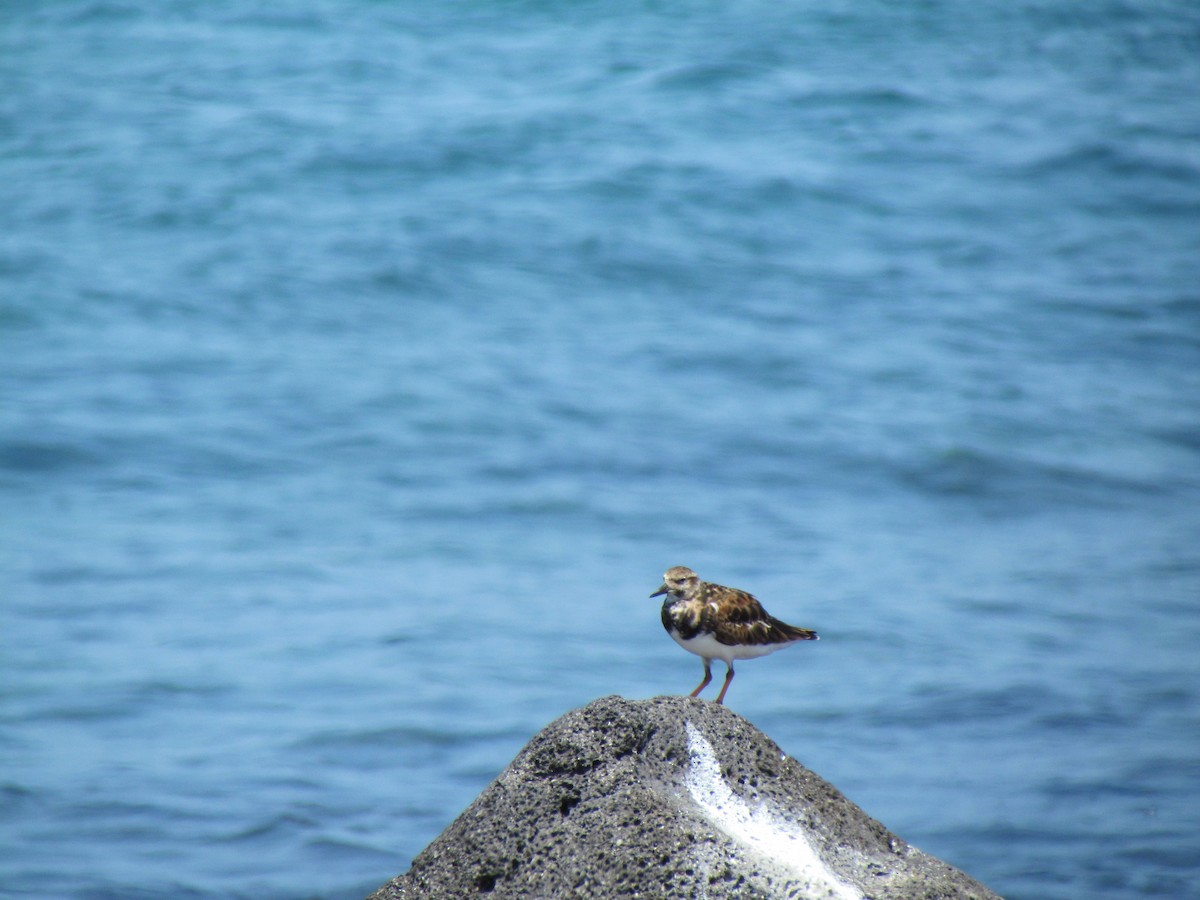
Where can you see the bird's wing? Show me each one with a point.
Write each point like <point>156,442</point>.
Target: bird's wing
<point>746,622</point>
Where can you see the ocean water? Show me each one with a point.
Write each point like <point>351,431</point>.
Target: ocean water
<point>365,364</point>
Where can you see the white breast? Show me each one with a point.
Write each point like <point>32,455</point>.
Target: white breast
<point>709,647</point>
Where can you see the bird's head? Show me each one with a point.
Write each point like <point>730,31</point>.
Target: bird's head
<point>678,581</point>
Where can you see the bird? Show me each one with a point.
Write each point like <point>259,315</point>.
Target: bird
<point>718,622</point>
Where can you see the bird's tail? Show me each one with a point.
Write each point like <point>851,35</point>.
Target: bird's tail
<point>799,634</point>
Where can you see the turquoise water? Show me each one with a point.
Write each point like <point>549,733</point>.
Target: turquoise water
<point>366,364</point>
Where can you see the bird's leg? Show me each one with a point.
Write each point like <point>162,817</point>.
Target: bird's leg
<point>704,683</point>
<point>725,686</point>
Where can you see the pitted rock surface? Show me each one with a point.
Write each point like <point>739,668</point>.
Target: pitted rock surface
<point>668,798</point>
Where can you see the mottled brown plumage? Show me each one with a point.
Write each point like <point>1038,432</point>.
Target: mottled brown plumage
<point>718,622</point>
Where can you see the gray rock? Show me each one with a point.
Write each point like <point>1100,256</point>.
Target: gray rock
<point>668,798</point>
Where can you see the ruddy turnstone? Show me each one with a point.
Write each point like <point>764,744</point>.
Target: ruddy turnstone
<point>718,622</point>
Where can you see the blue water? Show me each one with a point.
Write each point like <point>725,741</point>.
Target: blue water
<point>365,364</point>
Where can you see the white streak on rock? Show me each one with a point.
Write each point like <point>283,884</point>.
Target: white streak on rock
<point>779,841</point>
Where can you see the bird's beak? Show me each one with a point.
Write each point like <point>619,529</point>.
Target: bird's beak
<point>661,590</point>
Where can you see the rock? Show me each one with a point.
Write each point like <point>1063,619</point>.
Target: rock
<point>668,798</point>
